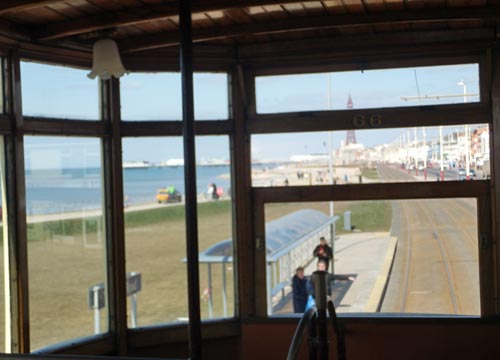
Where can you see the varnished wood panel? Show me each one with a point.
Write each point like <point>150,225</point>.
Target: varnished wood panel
<point>348,58</point>
<point>354,6</point>
<point>135,15</point>
<point>175,333</point>
<point>495,165</point>
<point>174,128</point>
<point>292,14</point>
<point>46,126</point>
<point>335,6</point>
<point>114,216</point>
<point>314,8</point>
<point>488,278</point>
<point>391,118</point>
<point>275,11</point>
<point>377,191</point>
<point>9,6</point>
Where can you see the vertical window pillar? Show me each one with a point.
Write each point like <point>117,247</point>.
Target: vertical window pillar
<point>495,167</point>
<point>114,218</point>
<point>17,295</point>
<point>241,183</point>
<point>190,179</point>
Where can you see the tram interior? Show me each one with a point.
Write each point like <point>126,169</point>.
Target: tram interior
<point>265,125</point>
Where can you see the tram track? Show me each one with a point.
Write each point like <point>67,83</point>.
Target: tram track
<point>407,267</point>
<point>446,261</point>
<point>436,248</point>
<point>459,226</point>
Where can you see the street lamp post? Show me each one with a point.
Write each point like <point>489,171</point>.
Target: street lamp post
<point>330,171</point>
<point>441,174</point>
<point>466,130</point>
<point>416,150</point>
<point>424,146</point>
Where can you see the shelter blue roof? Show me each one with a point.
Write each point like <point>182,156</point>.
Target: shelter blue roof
<point>280,233</point>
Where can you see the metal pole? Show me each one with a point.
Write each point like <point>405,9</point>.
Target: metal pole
<point>210,301</point>
<point>224,292</point>
<point>269,287</point>
<point>424,144</point>
<point>408,143</point>
<point>186,65</point>
<point>84,227</point>
<point>134,310</point>
<point>416,150</point>
<point>466,130</point>
<point>97,318</point>
<point>289,265</point>
<point>330,172</point>
<point>320,296</point>
<point>441,174</point>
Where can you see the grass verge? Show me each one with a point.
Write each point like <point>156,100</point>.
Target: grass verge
<point>370,173</point>
<point>369,216</point>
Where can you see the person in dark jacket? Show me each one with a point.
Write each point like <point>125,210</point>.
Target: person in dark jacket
<point>330,279</point>
<point>299,290</point>
<point>323,252</point>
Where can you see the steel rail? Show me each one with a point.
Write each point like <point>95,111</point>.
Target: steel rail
<point>408,260</point>
<point>387,174</point>
<point>443,252</point>
<point>446,259</point>
<point>453,218</point>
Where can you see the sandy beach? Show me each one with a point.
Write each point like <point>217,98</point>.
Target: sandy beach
<point>299,174</point>
<point>295,175</point>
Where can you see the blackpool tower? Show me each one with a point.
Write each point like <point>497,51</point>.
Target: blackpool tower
<point>351,135</point>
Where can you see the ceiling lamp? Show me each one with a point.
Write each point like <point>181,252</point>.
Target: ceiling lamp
<point>107,60</point>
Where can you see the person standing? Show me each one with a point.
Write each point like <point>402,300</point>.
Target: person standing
<point>299,289</point>
<point>321,266</point>
<point>323,252</point>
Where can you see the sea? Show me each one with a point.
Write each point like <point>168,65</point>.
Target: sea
<point>76,189</point>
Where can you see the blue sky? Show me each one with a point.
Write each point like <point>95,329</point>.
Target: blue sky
<point>67,93</point>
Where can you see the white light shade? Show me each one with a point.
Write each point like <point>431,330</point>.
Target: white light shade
<point>107,60</point>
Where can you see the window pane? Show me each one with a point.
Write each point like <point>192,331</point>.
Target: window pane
<point>66,244</point>
<point>404,257</point>
<point>157,96</point>
<point>2,96</point>
<point>215,228</point>
<point>364,156</point>
<point>155,226</point>
<point>155,230</point>
<point>4,243</point>
<point>58,92</point>
<point>448,84</point>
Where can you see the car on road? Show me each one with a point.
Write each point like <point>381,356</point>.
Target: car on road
<point>461,174</point>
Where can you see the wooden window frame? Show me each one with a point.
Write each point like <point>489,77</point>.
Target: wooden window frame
<point>480,190</point>
<point>417,116</point>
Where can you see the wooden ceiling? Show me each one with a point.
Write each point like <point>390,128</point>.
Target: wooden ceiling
<point>140,25</point>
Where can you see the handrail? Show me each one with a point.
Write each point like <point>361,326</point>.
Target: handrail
<point>299,333</point>
<point>339,330</point>
<point>318,342</point>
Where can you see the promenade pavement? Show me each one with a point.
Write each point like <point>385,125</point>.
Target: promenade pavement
<point>366,257</point>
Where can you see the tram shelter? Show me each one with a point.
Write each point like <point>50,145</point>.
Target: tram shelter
<point>290,241</point>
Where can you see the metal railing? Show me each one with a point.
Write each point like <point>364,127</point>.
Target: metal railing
<point>315,319</point>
